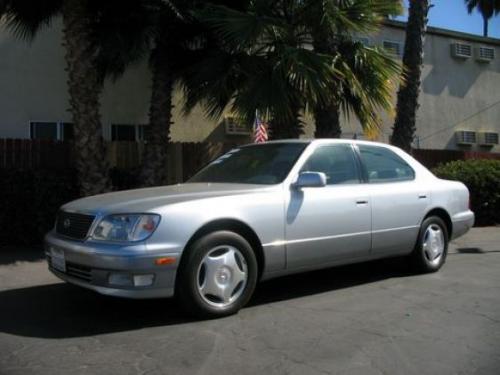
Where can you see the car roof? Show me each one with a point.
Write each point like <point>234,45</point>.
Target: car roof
<point>330,140</point>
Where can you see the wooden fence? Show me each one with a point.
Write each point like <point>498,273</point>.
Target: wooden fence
<point>185,158</point>
<point>432,158</point>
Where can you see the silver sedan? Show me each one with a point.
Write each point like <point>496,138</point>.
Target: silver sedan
<point>255,213</point>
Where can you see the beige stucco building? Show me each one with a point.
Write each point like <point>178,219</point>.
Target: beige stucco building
<point>460,92</point>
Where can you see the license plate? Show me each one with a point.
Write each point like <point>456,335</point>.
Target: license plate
<point>57,259</point>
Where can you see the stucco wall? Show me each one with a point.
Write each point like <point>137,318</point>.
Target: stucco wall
<point>33,88</point>
<point>455,93</point>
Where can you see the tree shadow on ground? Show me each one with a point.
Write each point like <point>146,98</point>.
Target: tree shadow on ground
<point>62,310</point>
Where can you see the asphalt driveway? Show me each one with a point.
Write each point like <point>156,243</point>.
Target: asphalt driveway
<point>373,318</point>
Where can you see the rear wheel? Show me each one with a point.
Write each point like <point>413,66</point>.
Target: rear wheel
<point>218,275</point>
<point>431,249</point>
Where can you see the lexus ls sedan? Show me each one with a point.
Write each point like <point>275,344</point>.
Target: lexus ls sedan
<point>258,212</point>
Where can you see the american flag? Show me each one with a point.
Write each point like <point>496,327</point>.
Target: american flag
<point>259,130</point>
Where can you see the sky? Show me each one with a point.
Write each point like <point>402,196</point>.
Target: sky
<point>452,15</point>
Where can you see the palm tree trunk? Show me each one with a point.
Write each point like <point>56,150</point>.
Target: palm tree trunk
<point>485,26</point>
<point>84,88</point>
<point>287,127</point>
<point>154,162</point>
<point>327,119</point>
<point>407,102</point>
<point>326,115</point>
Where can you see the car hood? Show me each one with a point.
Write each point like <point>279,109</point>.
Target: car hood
<point>147,199</point>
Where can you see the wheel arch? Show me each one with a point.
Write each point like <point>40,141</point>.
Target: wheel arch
<point>445,216</point>
<point>235,226</point>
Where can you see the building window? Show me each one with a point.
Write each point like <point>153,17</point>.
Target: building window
<point>142,132</point>
<point>67,131</point>
<point>128,132</point>
<point>393,48</point>
<point>57,131</point>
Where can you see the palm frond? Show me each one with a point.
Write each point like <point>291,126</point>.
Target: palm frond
<point>25,18</point>
<point>370,78</point>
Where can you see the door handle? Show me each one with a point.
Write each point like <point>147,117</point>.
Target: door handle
<point>422,196</point>
<point>361,202</point>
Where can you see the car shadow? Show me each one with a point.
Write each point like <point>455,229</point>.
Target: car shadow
<point>63,311</point>
<point>474,250</point>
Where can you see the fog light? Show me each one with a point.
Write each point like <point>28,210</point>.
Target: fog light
<point>121,279</point>
<point>143,280</point>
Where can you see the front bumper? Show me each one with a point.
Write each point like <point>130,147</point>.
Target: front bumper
<point>90,265</point>
<point>462,222</point>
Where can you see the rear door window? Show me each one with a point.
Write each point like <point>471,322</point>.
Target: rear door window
<point>384,165</point>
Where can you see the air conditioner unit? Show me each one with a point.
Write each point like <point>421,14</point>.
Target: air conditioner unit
<point>394,48</point>
<point>461,50</point>
<point>363,40</point>
<point>485,54</point>
<point>234,127</point>
<point>465,137</point>
<point>487,138</point>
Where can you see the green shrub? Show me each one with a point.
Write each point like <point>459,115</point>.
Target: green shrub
<point>482,177</point>
<point>30,200</point>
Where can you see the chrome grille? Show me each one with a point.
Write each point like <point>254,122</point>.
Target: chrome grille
<point>73,225</point>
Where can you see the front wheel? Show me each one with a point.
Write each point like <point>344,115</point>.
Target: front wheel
<point>431,249</point>
<point>218,275</point>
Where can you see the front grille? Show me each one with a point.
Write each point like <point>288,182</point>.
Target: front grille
<point>79,272</point>
<point>75,270</point>
<point>73,225</point>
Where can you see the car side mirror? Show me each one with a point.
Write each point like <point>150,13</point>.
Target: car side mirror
<point>310,179</point>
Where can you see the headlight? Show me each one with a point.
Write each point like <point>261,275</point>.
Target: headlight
<point>126,227</point>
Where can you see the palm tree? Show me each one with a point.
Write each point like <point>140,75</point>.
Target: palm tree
<point>257,60</point>
<point>332,25</point>
<point>164,32</point>
<point>25,18</point>
<point>263,61</point>
<point>125,33</point>
<point>407,102</point>
<point>487,8</point>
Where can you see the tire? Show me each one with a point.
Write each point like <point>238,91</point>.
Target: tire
<point>431,248</point>
<point>217,275</point>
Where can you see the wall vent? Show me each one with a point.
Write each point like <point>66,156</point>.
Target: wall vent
<point>465,137</point>
<point>461,50</point>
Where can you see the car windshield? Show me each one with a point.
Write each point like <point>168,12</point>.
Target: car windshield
<point>265,164</point>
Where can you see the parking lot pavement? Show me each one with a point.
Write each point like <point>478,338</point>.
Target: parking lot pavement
<point>373,318</point>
